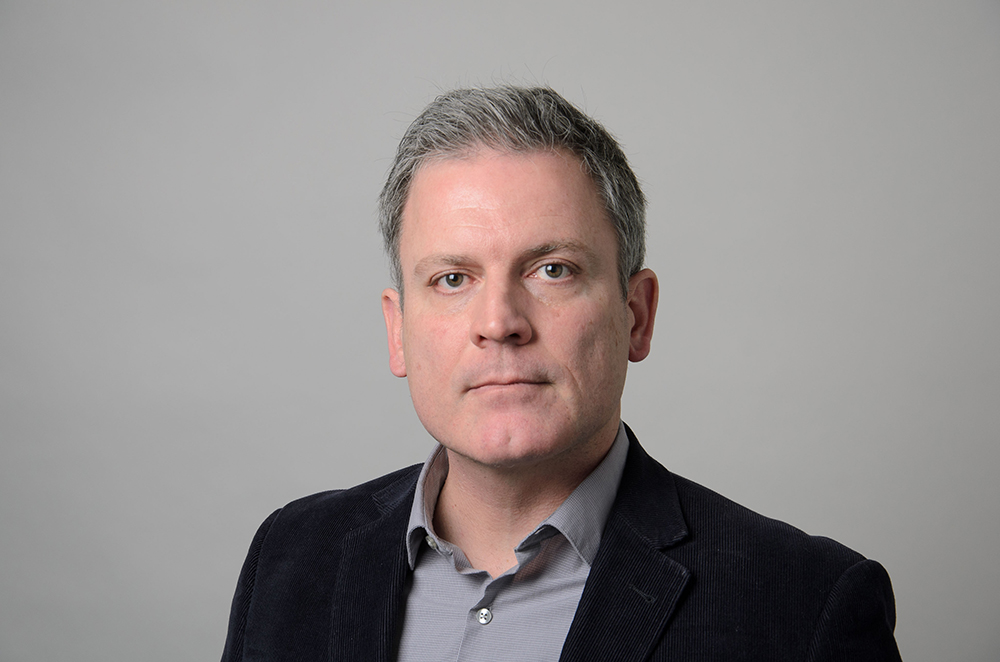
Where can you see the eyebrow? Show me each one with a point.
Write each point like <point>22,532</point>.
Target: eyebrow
<point>555,247</point>
<point>457,260</point>
<point>438,259</point>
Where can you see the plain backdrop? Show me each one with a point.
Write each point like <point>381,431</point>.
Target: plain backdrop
<point>190,329</point>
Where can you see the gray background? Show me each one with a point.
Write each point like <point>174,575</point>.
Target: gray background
<point>190,331</point>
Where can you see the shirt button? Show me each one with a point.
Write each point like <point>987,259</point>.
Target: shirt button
<point>431,542</point>
<point>484,615</point>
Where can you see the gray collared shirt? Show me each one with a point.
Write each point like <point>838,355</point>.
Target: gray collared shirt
<point>455,612</point>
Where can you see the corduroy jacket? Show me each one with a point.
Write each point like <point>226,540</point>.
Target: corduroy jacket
<point>682,573</point>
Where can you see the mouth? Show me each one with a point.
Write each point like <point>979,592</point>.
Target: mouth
<point>501,384</point>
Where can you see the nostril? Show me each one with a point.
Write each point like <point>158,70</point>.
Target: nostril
<point>498,314</point>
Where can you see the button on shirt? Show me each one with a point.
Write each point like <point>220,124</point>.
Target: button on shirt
<point>455,612</point>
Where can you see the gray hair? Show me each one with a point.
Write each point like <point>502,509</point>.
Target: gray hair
<point>516,119</point>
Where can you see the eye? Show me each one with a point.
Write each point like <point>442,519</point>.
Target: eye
<point>554,271</point>
<point>452,280</point>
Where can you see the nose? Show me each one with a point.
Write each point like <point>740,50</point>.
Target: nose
<point>500,315</point>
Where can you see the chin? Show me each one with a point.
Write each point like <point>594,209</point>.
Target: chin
<point>513,443</point>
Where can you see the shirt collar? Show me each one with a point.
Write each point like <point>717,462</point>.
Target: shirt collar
<point>580,518</point>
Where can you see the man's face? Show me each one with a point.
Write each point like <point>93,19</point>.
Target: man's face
<point>514,336</point>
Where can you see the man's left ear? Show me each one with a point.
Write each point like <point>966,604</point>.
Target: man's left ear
<point>643,293</point>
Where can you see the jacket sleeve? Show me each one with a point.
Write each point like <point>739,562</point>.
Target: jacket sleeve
<point>857,622</point>
<point>233,652</point>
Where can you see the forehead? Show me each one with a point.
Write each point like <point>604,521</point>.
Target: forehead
<point>492,196</point>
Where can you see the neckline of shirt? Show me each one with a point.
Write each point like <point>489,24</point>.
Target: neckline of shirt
<point>580,518</point>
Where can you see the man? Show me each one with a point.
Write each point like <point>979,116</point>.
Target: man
<point>539,529</point>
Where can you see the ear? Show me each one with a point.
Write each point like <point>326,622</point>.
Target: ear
<point>643,293</point>
<point>393,314</point>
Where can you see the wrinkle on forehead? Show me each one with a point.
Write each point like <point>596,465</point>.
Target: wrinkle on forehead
<point>473,196</point>
<point>458,213</point>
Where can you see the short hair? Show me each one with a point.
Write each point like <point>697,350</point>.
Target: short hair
<point>516,119</point>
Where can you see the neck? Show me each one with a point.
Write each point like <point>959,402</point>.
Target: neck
<point>488,510</point>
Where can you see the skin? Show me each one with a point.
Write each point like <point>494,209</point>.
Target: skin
<point>515,338</point>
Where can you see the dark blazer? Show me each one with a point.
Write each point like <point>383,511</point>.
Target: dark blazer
<point>681,574</point>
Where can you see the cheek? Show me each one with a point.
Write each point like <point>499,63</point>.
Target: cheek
<point>597,343</point>
<point>430,348</point>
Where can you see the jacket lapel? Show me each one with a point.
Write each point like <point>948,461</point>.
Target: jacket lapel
<point>633,587</point>
<point>371,579</point>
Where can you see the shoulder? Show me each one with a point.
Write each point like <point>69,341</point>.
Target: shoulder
<point>759,575</point>
<point>675,513</point>
<point>761,587</point>
<point>719,523</point>
<point>287,584</point>
<point>339,511</point>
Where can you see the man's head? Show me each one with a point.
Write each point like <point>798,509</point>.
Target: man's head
<point>517,120</point>
<point>521,312</point>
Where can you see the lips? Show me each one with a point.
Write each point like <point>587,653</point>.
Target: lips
<point>505,382</point>
<point>486,383</point>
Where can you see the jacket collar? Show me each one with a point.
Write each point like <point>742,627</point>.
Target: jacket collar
<point>371,580</point>
<point>647,498</point>
<point>633,587</point>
